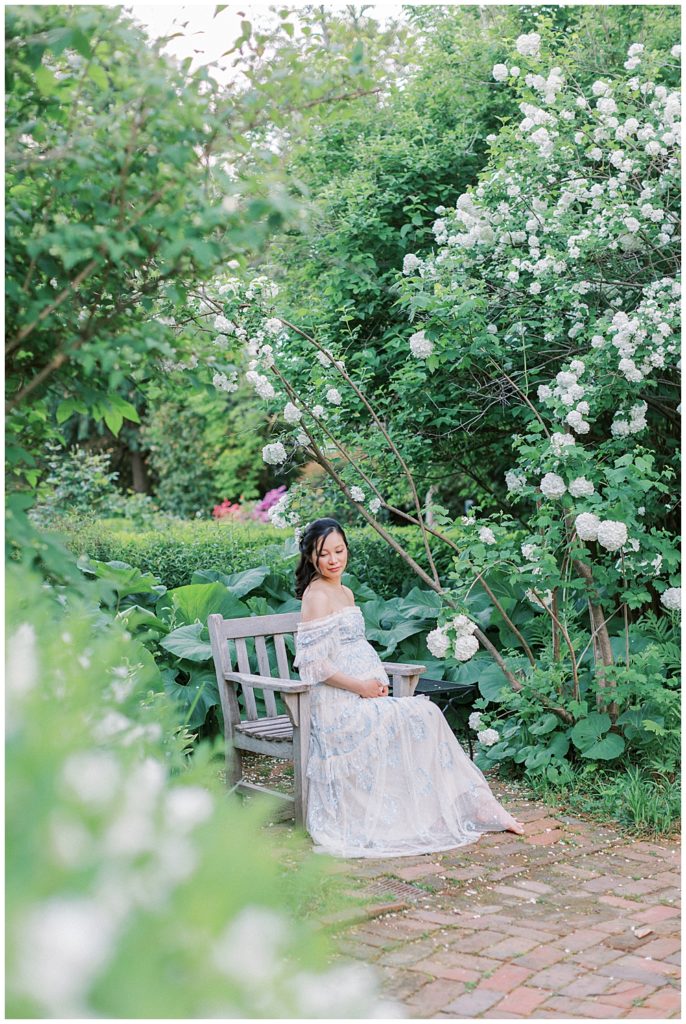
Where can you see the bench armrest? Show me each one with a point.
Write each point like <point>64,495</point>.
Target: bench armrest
<point>404,678</point>
<point>266,683</point>
<point>397,669</point>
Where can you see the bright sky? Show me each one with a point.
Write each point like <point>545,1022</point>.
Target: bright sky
<point>206,38</point>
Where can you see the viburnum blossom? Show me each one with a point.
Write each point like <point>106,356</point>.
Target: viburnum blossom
<point>274,454</point>
<point>474,720</point>
<point>374,505</point>
<point>262,386</point>
<point>421,346</point>
<point>438,643</point>
<point>333,396</point>
<point>671,599</point>
<point>489,737</point>
<point>612,535</point>
<point>291,413</point>
<point>463,625</point>
<point>586,525</point>
<point>273,326</point>
<point>357,494</point>
<point>411,263</point>
<point>552,485</point>
<point>465,647</point>
<point>224,383</point>
<point>486,535</point>
<point>500,72</point>
<point>529,44</point>
<point>515,482</point>
<point>581,487</point>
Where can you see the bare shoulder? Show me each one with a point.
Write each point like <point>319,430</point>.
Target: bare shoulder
<point>315,602</point>
<point>349,594</point>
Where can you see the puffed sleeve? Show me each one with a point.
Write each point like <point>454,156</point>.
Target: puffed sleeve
<point>315,644</point>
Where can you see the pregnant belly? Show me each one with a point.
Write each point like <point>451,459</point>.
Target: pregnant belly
<point>361,661</point>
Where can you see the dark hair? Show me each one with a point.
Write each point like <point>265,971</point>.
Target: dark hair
<point>309,545</point>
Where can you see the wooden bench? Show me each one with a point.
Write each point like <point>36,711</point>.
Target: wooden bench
<point>258,644</point>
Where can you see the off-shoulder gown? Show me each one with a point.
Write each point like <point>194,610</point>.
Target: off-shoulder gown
<point>386,775</point>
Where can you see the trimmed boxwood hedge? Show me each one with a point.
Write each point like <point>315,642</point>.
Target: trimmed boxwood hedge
<point>175,552</point>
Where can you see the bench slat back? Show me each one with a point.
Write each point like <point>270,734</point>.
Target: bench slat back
<point>253,637</point>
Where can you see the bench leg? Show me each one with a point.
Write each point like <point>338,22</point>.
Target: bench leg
<point>234,765</point>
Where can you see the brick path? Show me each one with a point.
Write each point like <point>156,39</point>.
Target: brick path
<point>572,920</point>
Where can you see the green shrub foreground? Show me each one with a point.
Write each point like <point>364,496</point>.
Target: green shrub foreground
<point>135,887</point>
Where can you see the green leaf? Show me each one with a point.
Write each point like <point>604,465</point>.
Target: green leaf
<point>606,749</point>
<point>99,75</point>
<point>114,420</point>
<point>546,724</point>
<point>46,81</point>
<point>195,602</point>
<point>588,730</point>
<point>185,642</point>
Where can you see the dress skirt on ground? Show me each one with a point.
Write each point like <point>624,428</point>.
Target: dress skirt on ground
<point>387,776</point>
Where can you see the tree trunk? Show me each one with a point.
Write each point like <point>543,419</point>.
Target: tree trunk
<point>139,474</point>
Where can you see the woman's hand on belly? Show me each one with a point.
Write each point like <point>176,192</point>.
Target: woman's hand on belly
<point>373,688</point>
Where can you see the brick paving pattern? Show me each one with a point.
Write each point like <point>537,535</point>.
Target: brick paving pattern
<point>571,920</point>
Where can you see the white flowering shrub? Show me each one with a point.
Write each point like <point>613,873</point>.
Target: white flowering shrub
<point>556,275</point>
<point>127,857</point>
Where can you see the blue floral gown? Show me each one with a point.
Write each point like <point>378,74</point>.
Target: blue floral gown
<point>386,775</point>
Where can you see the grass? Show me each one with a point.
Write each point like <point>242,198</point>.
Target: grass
<point>642,802</point>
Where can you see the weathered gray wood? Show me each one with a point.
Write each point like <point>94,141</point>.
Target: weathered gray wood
<point>282,736</point>
<point>260,625</point>
<point>277,747</point>
<point>282,657</point>
<point>244,666</point>
<point>264,670</point>
<point>261,682</point>
<point>396,668</point>
<point>231,711</point>
<point>267,726</point>
<point>299,706</point>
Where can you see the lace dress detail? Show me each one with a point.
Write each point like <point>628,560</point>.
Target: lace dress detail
<point>386,775</point>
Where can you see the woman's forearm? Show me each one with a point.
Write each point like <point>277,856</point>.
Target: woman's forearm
<point>344,682</point>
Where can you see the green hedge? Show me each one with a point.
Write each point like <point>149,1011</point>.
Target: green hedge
<point>174,553</point>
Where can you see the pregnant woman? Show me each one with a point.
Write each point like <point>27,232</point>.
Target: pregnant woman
<point>386,775</point>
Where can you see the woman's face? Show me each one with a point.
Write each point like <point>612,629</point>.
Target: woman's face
<point>333,557</point>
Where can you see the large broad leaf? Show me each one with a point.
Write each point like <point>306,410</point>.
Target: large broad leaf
<point>277,588</point>
<point>239,583</point>
<point>361,591</point>
<point>589,730</point>
<point>135,616</point>
<point>607,748</point>
<point>196,698</point>
<point>420,604</point>
<point>195,602</point>
<point>186,642</point>
<point>544,725</point>
<point>123,577</point>
<point>492,681</point>
<point>559,745</point>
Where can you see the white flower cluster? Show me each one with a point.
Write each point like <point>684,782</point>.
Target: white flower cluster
<point>438,643</point>
<point>529,45</point>
<point>488,738</point>
<point>333,396</point>
<point>671,599</point>
<point>291,413</point>
<point>263,387</point>
<point>610,534</point>
<point>636,422</point>
<point>514,481</point>
<point>474,720</point>
<point>552,485</point>
<point>421,346</point>
<point>581,487</point>
<point>411,263</point>
<point>466,644</point>
<point>274,454</point>
<point>486,535</point>
<point>224,383</point>
<point>281,515</point>
<point>357,494</point>
<point>560,443</point>
<point>374,505</point>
